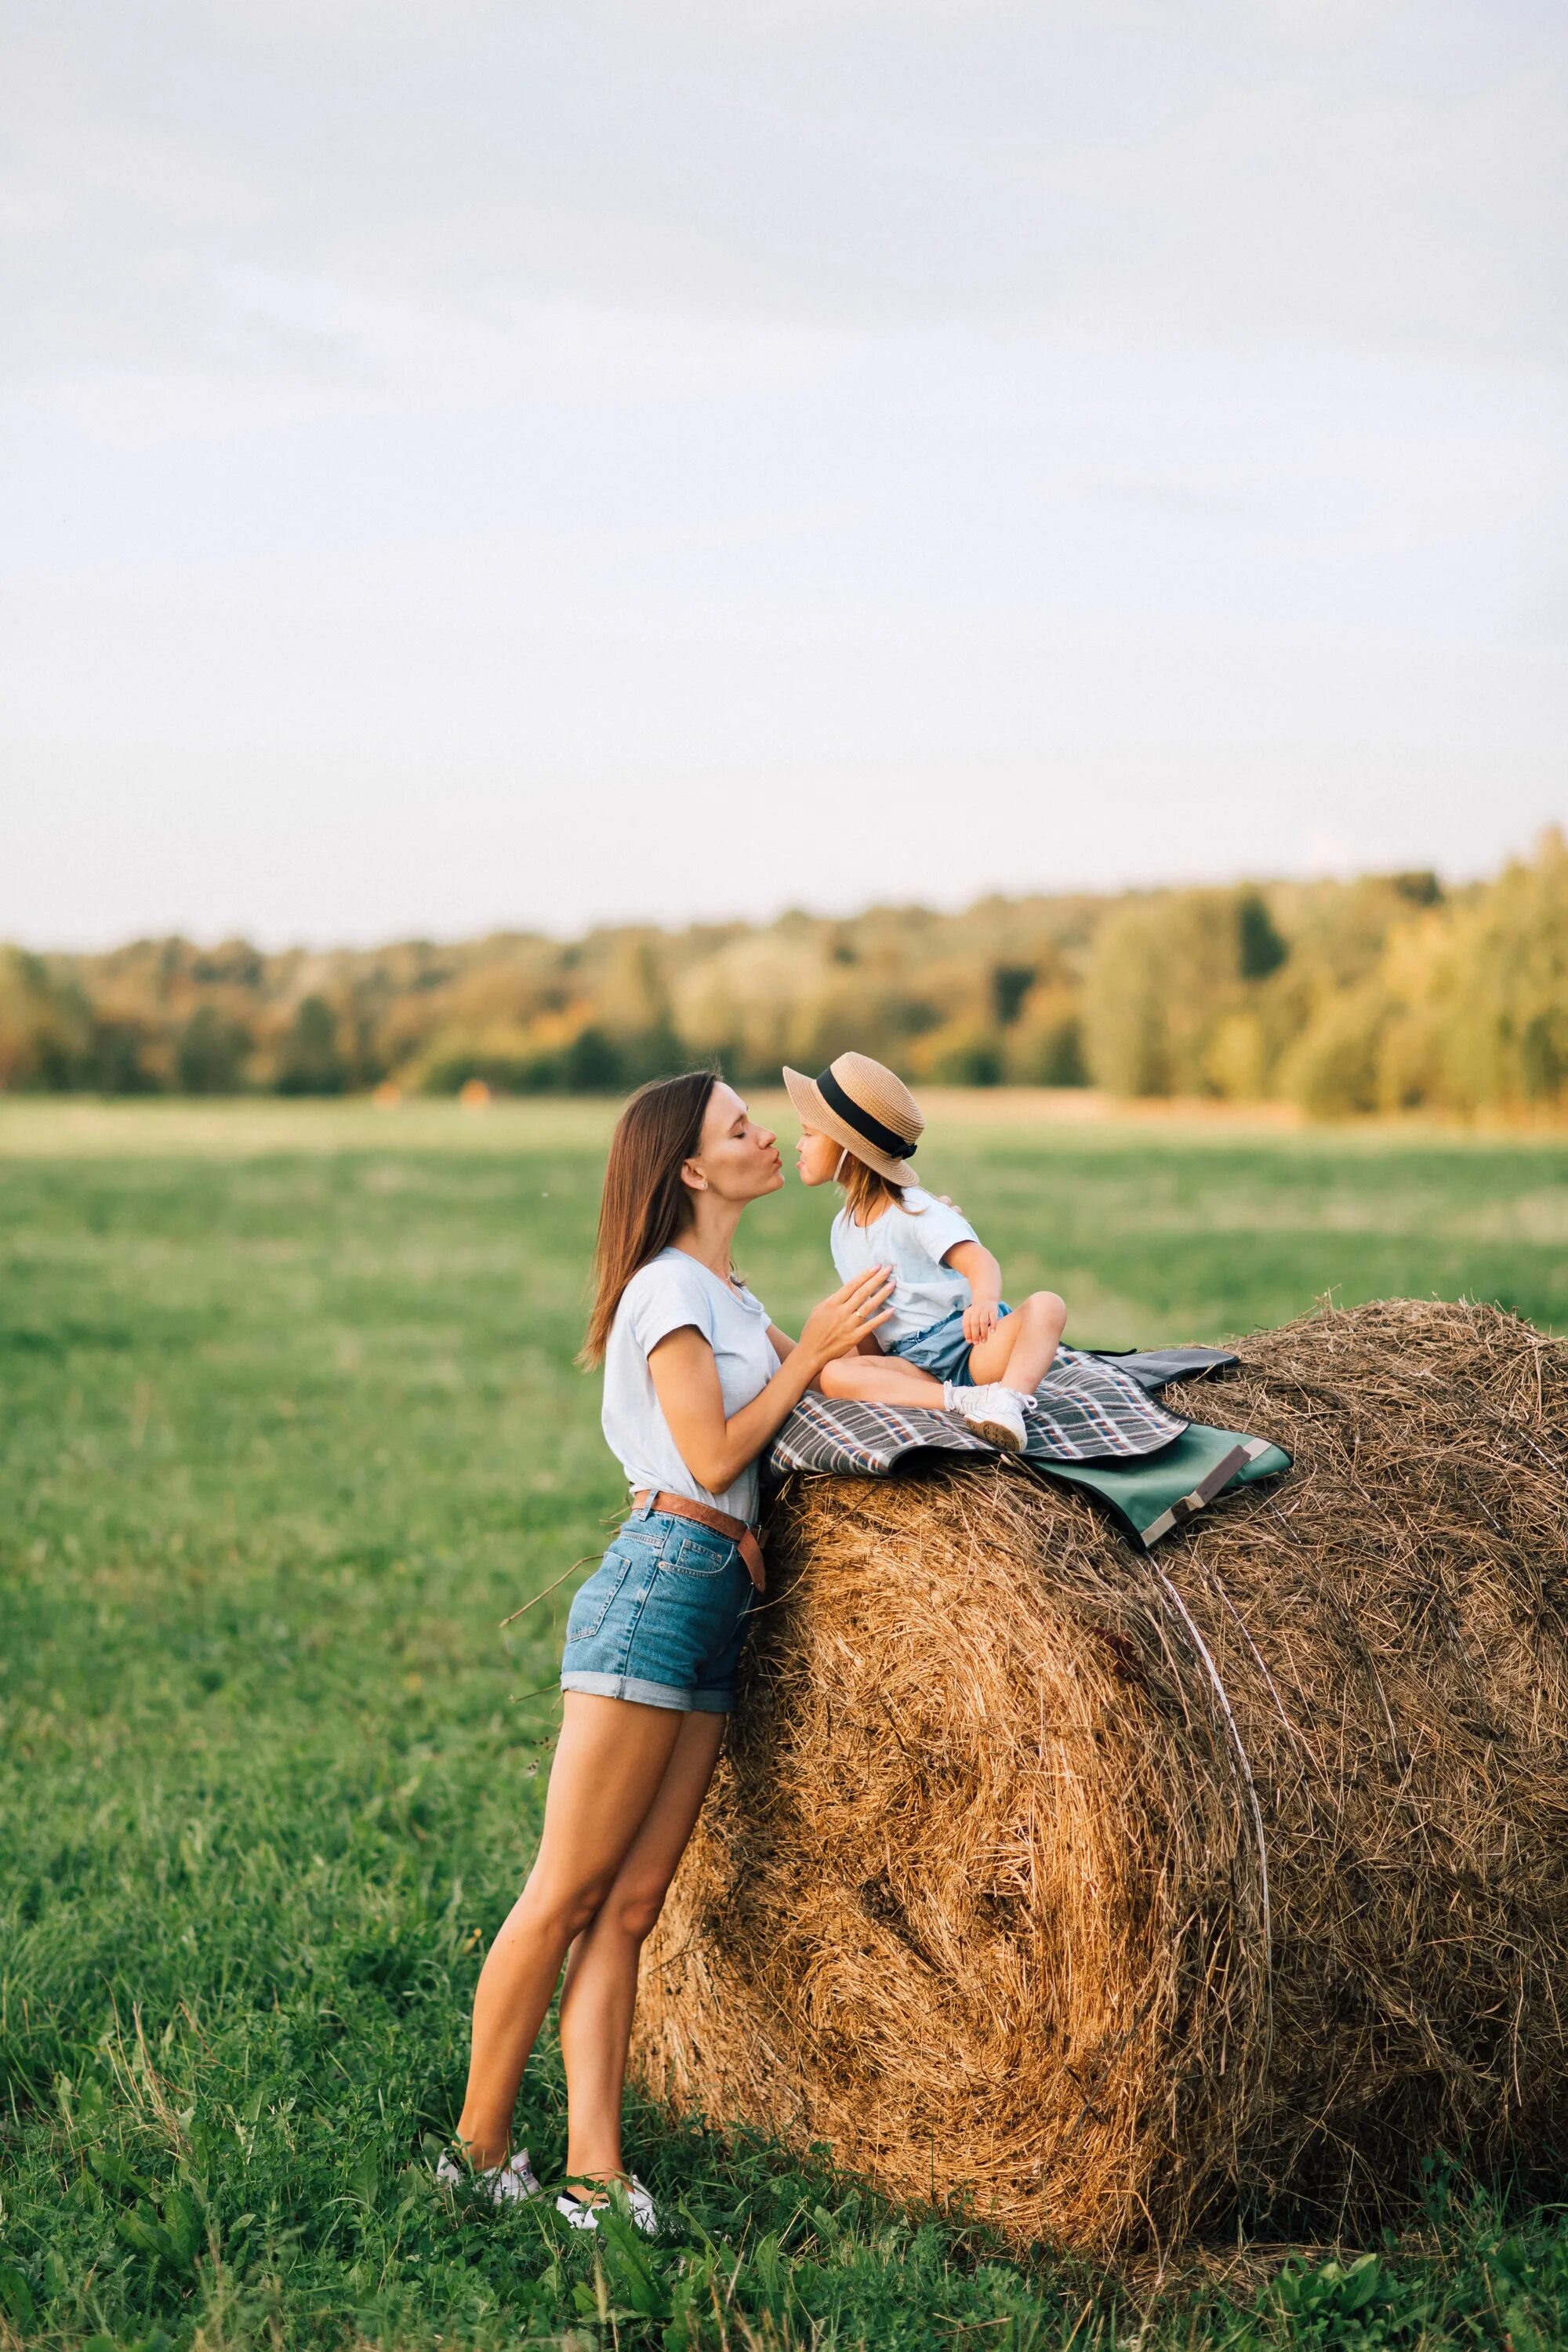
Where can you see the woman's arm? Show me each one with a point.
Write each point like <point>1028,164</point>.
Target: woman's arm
<point>784,1346</point>
<point>686,1382</point>
<point>984,1276</point>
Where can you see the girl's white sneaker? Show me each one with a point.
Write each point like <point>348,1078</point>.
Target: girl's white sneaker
<point>993,1411</point>
<point>511,2183</point>
<point>584,2215</point>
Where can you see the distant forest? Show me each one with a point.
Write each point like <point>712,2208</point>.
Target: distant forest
<point>1381,995</point>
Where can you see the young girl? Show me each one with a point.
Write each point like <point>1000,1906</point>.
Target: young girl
<point>949,1342</point>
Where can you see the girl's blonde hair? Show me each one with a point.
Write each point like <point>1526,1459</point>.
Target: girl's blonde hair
<point>865,1193</point>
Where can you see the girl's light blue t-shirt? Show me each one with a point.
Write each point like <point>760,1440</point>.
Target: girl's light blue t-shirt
<point>671,1291</point>
<point>926,1291</point>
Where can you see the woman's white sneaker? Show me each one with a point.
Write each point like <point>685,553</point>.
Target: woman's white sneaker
<point>583,2213</point>
<point>993,1411</point>
<point>511,2183</point>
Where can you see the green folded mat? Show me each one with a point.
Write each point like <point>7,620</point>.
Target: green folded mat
<point>1156,1492</point>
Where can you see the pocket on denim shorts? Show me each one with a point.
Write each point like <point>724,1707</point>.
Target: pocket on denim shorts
<point>593,1600</point>
<point>699,1551</point>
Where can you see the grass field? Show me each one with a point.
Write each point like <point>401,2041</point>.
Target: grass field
<point>290,1423</point>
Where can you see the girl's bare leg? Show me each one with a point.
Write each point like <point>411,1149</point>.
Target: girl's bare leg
<point>600,1991</point>
<point>1022,1349</point>
<point>880,1379</point>
<point>610,1763</point>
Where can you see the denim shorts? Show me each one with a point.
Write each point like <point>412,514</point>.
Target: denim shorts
<point>943,1351</point>
<point>662,1619</point>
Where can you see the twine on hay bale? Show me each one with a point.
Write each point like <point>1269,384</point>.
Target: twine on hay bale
<point>1110,1894</point>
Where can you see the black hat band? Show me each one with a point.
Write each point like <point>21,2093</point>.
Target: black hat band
<point>869,1129</point>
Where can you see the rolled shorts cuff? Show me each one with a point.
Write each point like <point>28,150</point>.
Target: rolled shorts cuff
<point>641,1694</point>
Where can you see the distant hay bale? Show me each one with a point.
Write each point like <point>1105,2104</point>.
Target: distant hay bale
<point>1111,1895</point>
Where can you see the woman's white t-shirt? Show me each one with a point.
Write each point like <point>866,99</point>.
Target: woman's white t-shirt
<point>674,1289</point>
<point>914,1246</point>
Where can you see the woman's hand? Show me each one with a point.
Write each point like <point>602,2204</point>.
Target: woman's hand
<point>838,1326</point>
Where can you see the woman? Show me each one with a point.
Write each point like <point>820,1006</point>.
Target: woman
<point>697,1383</point>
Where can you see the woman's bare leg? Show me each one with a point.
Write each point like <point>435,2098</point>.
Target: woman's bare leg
<point>600,1991</point>
<point>1022,1349</point>
<point>610,1763</point>
<point>880,1379</point>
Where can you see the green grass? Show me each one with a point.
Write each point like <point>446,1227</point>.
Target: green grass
<point>289,1424</point>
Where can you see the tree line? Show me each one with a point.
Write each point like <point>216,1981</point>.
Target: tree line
<point>1385,993</point>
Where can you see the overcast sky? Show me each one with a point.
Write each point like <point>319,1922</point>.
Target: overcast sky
<point>473,464</point>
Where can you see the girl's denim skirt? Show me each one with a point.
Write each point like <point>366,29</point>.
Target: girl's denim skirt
<point>663,1618</point>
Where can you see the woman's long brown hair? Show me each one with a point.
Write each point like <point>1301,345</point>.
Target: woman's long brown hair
<point>644,1204</point>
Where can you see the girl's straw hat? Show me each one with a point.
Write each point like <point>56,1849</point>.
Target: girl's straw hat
<point>862,1105</point>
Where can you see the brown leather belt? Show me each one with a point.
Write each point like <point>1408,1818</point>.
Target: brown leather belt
<point>680,1506</point>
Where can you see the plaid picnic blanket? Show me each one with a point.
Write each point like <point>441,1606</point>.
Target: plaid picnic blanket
<point>1085,1409</point>
<point>1092,1423</point>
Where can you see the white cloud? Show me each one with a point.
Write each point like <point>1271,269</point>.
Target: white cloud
<point>1372,175</point>
<point>1150,417</point>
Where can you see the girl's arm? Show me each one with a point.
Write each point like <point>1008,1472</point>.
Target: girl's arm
<point>716,1449</point>
<point>984,1276</point>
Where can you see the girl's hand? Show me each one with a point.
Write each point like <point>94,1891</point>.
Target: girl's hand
<point>980,1319</point>
<point>838,1326</point>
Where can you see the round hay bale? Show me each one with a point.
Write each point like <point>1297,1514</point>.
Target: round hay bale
<point>1108,1894</point>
